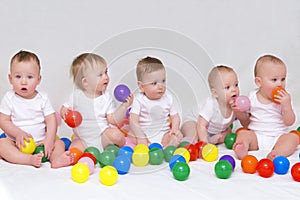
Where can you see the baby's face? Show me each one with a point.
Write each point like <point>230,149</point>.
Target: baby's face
<point>269,76</point>
<point>226,87</point>
<point>24,77</point>
<point>153,84</point>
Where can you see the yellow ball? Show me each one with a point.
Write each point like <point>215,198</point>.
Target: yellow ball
<point>80,173</point>
<point>141,148</point>
<point>57,137</point>
<point>140,159</point>
<point>184,152</point>
<point>108,175</point>
<point>29,146</point>
<point>210,152</point>
<point>72,137</point>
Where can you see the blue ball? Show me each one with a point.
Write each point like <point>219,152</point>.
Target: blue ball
<point>230,159</point>
<point>67,142</point>
<point>281,165</point>
<point>155,145</point>
<point>122,164</point>
<point>175,159</point>
<point>3,135</point>
<point>126,151</point>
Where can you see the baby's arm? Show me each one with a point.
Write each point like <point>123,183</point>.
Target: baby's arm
<point>288,115</point>
<point>12,130</point>
<point>51,128</point>
<point>243,117</point>
<point>137,131</point>
<point>202,125</point>
<point>117,116</point>
<point>175,124</point>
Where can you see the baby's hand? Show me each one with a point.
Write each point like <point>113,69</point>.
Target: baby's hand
<point>283,97</point>
<point>128,100</point>
<point>143,141</point>
<point>20,139</point>
<point>63,112</point>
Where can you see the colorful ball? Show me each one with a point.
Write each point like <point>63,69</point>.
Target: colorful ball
<point>122,164</point>
<point>155,145</point>
<point>181,171</point>
<point>126,151</point>
<point>77,153</point>
<point>168,152</point>
<point>230,159</point>
<point>156,156</point>
<point>121,92</point>
<point>28,147</point>
<point>230,140</point>
<point>108,175</point>
<point>249,164</point>
<point>80,173</point>
<point>200,146</point>
<point>243,103</point>
<point>89,162</point>
<point>193,150</point>
<point>89,155</point>
<point>41,149</point>
<point>95,151</point>
<point>175,159</point>
<point>112,148</point>
<point>281,165</point>
<point>3,135</point>
<point>265,168</point>
<point>73,118</point>
<point>183,143</point>
<point>275,92</point>
<point>67,142</point>
<point>140,159</point>
<point>106,158</point>
<point>184,152</point>
<point>142,148</point>
<point>295,171</point>
<point>223,169</point>
<point>210,152</point>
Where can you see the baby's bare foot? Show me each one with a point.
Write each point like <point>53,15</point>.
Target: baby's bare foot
<point>63,160</point>
<point>272,155</point>
<point>240,150</point>
<point>36,159</point>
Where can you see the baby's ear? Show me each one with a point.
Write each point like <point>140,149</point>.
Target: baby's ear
<point>84,82</point>
<point>214,92</point>
<point>257,81</point>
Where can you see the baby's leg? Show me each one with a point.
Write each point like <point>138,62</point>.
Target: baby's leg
<point>60,157</point>
<point>285,145</point>
<point>246,140</point>
<point>12,154</point>
<point>189,129</point>
<point>112,136</point>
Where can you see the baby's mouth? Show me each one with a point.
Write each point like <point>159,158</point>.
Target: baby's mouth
<point>24,89</point>
<point>234,96</point>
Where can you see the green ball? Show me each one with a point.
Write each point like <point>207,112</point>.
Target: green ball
<point>181,171</point>
<point>183,143</point>
<point>95,151</point>
<point>41,149</point>
<point>156,156</point>
<point>168,152</point>
<point>298,129</point>
<point>112,148</point>
<point>223,169</point>
<point>107,158</point>
<point>230,140</point>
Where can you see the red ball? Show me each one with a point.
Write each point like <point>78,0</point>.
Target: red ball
<point>295,171</point>
<point>194,152</point>
<point>89,155</point>
<point>265,168</point>
<point>199,145</point>
<point>73,118</point>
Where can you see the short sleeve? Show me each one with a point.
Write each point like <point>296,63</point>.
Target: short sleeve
<point>206,109</point>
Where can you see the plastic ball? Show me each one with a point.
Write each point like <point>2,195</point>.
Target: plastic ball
<point>181,171</point>
<point>193,150</point>
<point>112,148</point>
<point>140,159</point>
<point>223,169</point>
<point>73,118</point>
<point>108,175</point>
<point>156,156</point>
<point>126,151</point>
<point>121,92</point>
<point>155,145</point>
<point>243,103</point>
<point>77,153</point>
<point>141,148</point>
<point>265,168</point>
<point>41,149</point>
<point>67,142</point>
<point>230,140</point>
<point>89,162</point>
<point>295,171</point>
<point>281,165</point>
<point>210,152</point>
<point>95,151</point>
<point>249,164</point>
<point>200,146</point>
<point>28,147</point>
<point>230,159</point>
<point>3,135</point>
<point>80,173</point>
<point>89,155</point>
<point>183,143</point>
<point>122,164</point>
<point>106,158</point>
<point>168,152</point>
<point>175,159</point>
<point>275,92</point>
<point>128,112</point>
<point>184,152</point>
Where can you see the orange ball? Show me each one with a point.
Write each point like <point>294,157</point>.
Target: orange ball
<point>77,154</point>
<point>275,92</point>
<point>249,164</point>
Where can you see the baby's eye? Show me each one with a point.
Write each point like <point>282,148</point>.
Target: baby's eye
<point>274,79</point>
<point>237,85</point>
<point>154,83</point>
<point>100,75</point>
<point>283,79</point>
<point>18,76</point>
<point>227,87</point>
<point>29,77</point>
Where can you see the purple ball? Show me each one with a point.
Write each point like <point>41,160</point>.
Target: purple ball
<point>230,159</point>
<point>121,92</point>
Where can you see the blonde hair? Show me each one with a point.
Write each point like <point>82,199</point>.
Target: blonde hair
<point>263,59</point>
<point>215,73</point>
<point>147,65</point>
<point>83,62</point>
<point>25,56</point>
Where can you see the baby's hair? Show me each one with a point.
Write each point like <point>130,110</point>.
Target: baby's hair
<point>147,65</point>
<point>266,58</point>
<point>25,56</point>
<point>215,72</point>
<point>83,62</point>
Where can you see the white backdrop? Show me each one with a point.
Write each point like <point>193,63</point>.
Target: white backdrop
<point>189,36</point>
